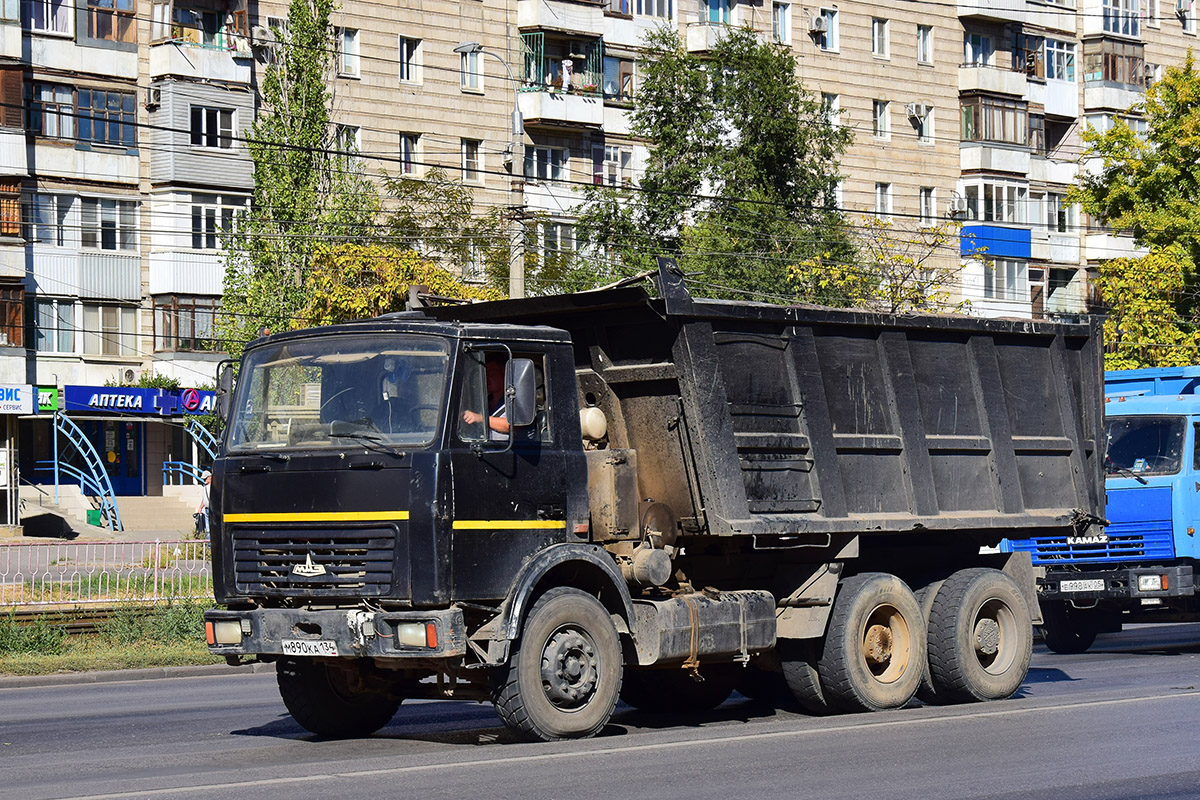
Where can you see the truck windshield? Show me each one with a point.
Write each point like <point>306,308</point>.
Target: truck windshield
<point>328,391</point>
<point>1144,445</point>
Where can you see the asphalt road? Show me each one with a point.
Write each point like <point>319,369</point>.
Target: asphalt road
<point>1119,722</point>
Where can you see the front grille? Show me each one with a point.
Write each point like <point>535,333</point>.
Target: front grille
<point>355,562</point>
<point>1127,541</point>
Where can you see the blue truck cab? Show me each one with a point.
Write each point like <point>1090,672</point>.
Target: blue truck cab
<point>1141,567</point>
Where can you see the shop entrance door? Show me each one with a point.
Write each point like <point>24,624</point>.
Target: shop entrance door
<point>119,443</point>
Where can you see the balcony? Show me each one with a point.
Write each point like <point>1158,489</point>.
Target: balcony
<point>10,36</point>
<point>1049,170</point>
<point>993,157</point>
<point>54,53</point>
<point>182,59</point>
<point>580,18</point>
<point>548,197</point>
<point>61,158</point>
<point>13,152</point>
<point>1051,14</point>
<point>1117,97</point>
<point>993,80</point>
<point>187,272</point>
<point>1102,245</point>
<point>558,109</point>
<point>1057,248</point>
<point>90,273</point>
<point>1059,98</point>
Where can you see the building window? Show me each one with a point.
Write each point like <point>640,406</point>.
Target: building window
<point>49,219</point>
<point>52,16</point>
<point>1029,55</point>
<point>664,9</point>
<point>471,166</point>
<point>714,12</point>
<point>927,197</point>
<point>618,78</point>
<point>470,75</point>
<point>611,165</point>
<point>111,20</point>
<point>831,107</point>
<point>977,50</point>
<point>54,326</point>
<point>109,330</point>
<point>1114,62</point>
<point>347,138</point>
<point>183,323</point>
<point>1060,60</point>
<point>879,117</point>
<point>1121,17</point>
<point>1186,18</point>
<point>545,163</point>
<point>991,119</point>
<point>12,316</point>
<point>408,153</point>
<point>1152,18</point>
<point>879,37</point>
<point>410,65</point>
<point>108,224</point>
<point>106,117</point>
<point>212,215</point>
<point>212,127</point>
<point>52,111</point>
<point>1005,279</point>
<point>558,241</point>
<point>883,200</point>
<point>204,26</point>
<point>781,23</point>
<point>347,52</point>
<point>622,7</point>
<point>997,202</point>
<point>1061,217</point>
<point>924,125</point>
<point>828,39</point>
<point>925,44</point>
<point>1037,133</point>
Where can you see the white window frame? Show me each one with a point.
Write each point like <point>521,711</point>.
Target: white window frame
<point>546,164</point>
<point>979,50</point>
<point>1060,59</point>
<point>883,201</point>
<point>51,221</point>
<point>57,16</point>
<point>215,213</point>
<point>1006,279</point>
<point>1121,17</point>
<point>927,205</point>
<point>881,114</point>
<point>410,153</point>
<point>995,201</point>
<point>781,23</point>
<point>96,213</point>
<point>348,53</point>
<point>831,105</point>
<point>612,165</point>
<point>880,38</point>
<point>63,314</point>
<point>555,238</point>
<point>99,335</point>
<point>925,44</point>
<point>225,120</point>
<point>1187,20</point>
<point>830,40</point>
<point>470,72</point>
<point>472,160</point>
<point>660,9</point>
<point>1153,20</point>
<point>925,132</point>
<point>408,58</point>
<point>343,135</point>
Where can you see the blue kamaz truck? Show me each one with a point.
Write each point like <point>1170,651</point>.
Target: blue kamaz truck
<point>1141,568</point>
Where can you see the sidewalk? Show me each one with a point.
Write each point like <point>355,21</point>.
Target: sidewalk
<point>117,675</point>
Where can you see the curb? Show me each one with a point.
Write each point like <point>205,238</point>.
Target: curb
<point>118,675</point>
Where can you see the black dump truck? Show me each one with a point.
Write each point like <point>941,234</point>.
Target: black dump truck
<point>554,503</point>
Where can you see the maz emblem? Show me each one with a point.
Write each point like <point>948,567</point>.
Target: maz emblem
<point>308,569</point>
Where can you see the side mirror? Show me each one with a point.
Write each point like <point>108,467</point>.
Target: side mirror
<point>520,392</point>
<point>224,389</point>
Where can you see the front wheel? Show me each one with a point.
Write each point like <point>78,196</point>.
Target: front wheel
<point>333,700</point>
<point>564,676</point>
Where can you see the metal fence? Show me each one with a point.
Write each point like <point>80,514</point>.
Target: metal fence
<point>68,574</point>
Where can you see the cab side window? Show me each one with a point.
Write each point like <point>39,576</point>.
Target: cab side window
<point>481,413</point>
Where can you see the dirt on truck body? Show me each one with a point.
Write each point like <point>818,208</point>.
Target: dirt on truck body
<point>570,500</point>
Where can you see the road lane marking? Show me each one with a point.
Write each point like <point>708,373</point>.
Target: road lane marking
<point>633,748</point>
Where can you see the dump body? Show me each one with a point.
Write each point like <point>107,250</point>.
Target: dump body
<point>1140,567</point>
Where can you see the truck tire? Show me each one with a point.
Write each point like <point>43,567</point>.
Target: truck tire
<point>563,676</point>
<point>328,701</point>
<point>980,637</point>
<point>1065,631</point>
<point>874,650</point>
<point>676,690</point>
<point>799,663</point>
<point>927,693</point>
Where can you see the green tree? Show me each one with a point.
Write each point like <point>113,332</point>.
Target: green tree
<point>307,189</point>
<point>742,169</point>
<point>1142,327</point>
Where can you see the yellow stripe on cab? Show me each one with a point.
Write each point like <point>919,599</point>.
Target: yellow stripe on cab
<point>320,516</point>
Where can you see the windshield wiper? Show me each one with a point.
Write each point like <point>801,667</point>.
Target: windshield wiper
<point>1127,473</point>
<point>369,436</point>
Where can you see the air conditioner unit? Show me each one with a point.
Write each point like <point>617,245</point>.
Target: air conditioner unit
<point>956,205</point>
<point>1150,71</point>
<point>262,36</point>
<point>129,376</point>
<point>153,98</point>
<point>818,24</point>
<point>916,110</point>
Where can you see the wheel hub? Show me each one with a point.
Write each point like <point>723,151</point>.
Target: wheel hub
<point>987,636</point>
<point>877,645</point>
<point>569,668</point>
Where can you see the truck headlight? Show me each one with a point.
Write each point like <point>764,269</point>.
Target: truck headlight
<point>224,632</point>
<point>417,634</point>
<point>1151,583</point>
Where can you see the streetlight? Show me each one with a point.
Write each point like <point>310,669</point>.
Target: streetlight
<point>516,269</point>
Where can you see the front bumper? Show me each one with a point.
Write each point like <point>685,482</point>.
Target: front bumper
<point>1115,584</point>
<point>337,633</point>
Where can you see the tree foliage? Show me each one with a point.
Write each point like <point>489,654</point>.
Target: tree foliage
<point>351,281</point>
<point>305,191</point>
<point>742,168</point>
<point>1142,327</point>
<point>900,268</point>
